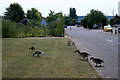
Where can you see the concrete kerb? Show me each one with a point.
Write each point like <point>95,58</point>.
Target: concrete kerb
<point>89,62</point>
<point>43,37</point>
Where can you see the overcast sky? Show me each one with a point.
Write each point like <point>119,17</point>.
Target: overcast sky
<point>82,6</point>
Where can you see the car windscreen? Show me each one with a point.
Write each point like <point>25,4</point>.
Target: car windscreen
<point>108,27</point>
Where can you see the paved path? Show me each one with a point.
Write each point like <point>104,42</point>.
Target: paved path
<point>98,44</point>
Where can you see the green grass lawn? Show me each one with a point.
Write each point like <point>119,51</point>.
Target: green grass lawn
<point>57,61</point>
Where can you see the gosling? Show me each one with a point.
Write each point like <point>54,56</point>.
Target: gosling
<point>97,61</point>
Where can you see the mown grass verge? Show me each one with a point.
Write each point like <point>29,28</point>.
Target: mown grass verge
<point>57,61</point>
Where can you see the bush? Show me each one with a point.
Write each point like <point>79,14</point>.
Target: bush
<point>34,23</point>
<point>84,23</point>
<point>8,29</point>
<point>32,29</point>
<point>21,35</point>
<point>90,25</point>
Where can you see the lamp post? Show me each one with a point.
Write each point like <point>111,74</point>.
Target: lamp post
<point>43,30</point>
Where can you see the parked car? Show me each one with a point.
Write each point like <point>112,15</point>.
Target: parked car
<point>118,29</point>
<point>108,28</point>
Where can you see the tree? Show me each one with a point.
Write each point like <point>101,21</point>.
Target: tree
<point>34,14</point>
<point>112,22</point>
<point>14,12</point>
<point>73,15</point>
<point>60,25</point>
<point>84,23</point>
<point>117,19</point>
<point>104,21</point>
<point>74,21</point>
<point>55,23</point>
<point>95,17</point>
<point>52,16</point>
<point>68,20</point>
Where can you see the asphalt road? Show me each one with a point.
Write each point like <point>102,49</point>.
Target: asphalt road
<point>99,44</point>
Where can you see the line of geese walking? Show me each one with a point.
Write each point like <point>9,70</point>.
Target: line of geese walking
<point>84,55</point>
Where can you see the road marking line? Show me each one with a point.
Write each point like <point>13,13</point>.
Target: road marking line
<point>109,40</point>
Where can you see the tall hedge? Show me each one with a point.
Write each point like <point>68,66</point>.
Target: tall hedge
<point>8,29</point>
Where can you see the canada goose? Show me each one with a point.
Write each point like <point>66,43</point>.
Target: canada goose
<point>32,48</point>
<point>97,61</point>
<point>37,52</point>
<point>83,54</point>
<point>73,43</point>
<point>76,51</point>
<point>69,43</point>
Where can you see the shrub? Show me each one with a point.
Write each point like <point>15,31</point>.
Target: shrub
<point>8,29</point>
<point>84,23</point>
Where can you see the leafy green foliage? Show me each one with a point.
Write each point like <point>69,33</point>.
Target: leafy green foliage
<point>52,17</point>
<point>8,29</point>
<point>117,19</point>
<point>14,12</point>
<point>104,21</point>
<point>56,24</point>
<point>68,20</point>
<point>95,17</point>
<point>74,21</point>
<point>73,15</point>
<point>34,14</point>
<point>84,23</point>
<point>33,23</point>
<point>32,29</point>
<point>112,22</point>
